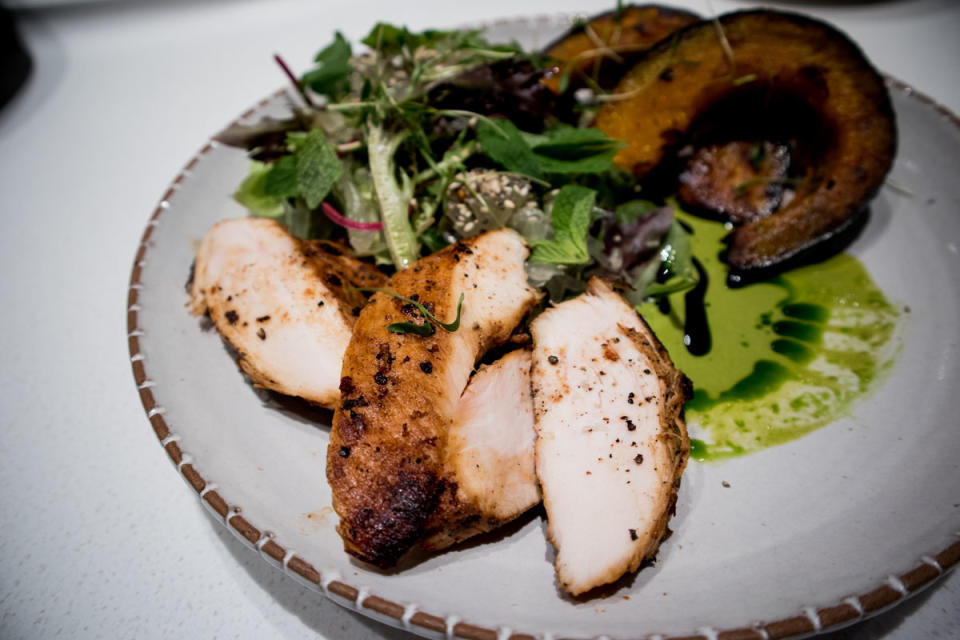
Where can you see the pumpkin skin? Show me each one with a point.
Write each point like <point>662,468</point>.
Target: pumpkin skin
<point>638,28</point>
<point>784,77</point>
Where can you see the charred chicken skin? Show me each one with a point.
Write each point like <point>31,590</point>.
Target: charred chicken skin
<point>389,460</point>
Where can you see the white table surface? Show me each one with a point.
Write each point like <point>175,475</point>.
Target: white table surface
<point>101,538</point>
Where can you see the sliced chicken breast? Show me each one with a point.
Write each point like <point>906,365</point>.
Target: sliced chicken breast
<point>490,450</point>
<point>611,443</point>
<point>287,306</point>
<point>387,464</point>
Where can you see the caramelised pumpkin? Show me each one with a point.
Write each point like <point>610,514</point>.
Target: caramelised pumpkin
<point>604,47</point>
<point>739,180</point>
<point>771,76</point>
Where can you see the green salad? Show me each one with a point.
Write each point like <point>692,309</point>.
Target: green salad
<point>426,138</point>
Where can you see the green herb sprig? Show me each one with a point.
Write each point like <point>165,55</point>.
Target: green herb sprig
<point>425,329</point>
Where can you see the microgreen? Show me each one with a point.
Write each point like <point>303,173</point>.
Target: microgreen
<point>425,329</point>
<point>297,84</point>
<point>331,75</point>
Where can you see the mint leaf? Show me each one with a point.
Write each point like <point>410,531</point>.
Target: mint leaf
<point>332,73</point>
<point>570,143</point>
<point>504,143</point>
<point>252,193</point>
<point>318,168</point>
<point>565,150</point>
<point>570,218</point>
<point>281,180</point>
<point>571,150</point>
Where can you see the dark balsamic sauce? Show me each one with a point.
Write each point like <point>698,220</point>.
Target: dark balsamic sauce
<point>696,329</point>
<point>663,305</point>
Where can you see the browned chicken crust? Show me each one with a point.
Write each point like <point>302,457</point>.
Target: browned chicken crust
<point>391,481</point>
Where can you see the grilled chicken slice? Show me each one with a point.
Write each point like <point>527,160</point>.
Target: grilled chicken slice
<point>611,438</point>
<point>287,306</point>
<point>387,463</point>
<point>490,450</point>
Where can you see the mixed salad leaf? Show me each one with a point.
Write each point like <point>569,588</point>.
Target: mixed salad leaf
<point>426,138</point>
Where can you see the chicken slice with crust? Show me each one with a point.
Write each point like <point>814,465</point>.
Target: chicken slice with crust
<point>388,467</point>
<point>286,306</point>
<point>611,442</point>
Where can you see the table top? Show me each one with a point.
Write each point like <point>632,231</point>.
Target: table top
<point>101,537</point>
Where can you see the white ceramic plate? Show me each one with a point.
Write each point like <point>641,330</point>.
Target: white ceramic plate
<point>808,536</point>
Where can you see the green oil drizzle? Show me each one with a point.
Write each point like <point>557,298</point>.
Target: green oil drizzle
<point>787,356</point>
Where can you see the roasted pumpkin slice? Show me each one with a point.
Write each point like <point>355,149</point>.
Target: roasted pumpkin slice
<point>604,47</point>
<point>739,181</point>
<point>773,76</point>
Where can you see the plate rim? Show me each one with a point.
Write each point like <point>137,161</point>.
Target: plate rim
<point>890,592</point>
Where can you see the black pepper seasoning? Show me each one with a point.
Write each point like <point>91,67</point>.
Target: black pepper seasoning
<point>426,367</point>
<point>553,359</point>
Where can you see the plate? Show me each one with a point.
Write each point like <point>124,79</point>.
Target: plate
<point>801,538</point>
